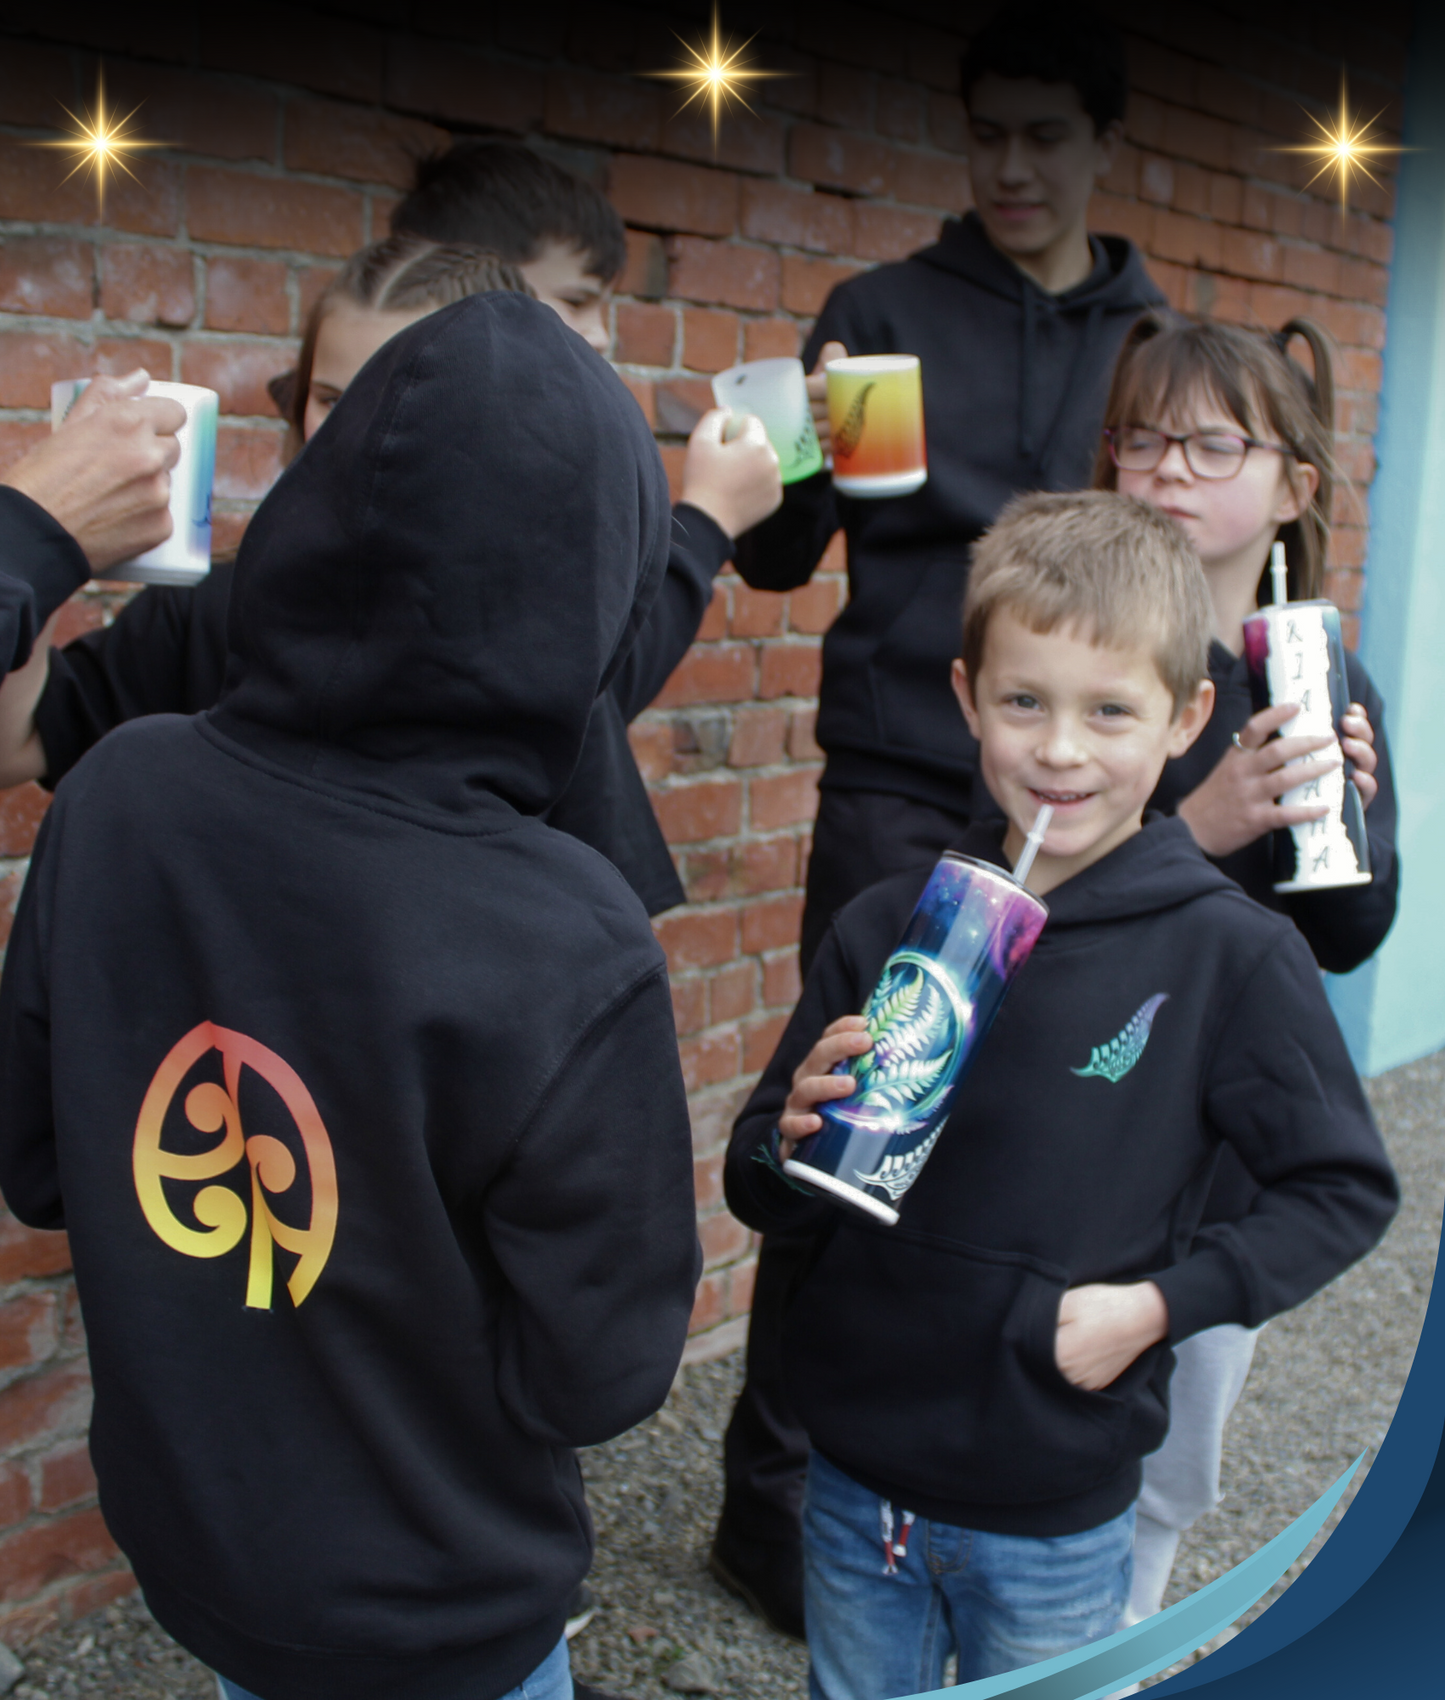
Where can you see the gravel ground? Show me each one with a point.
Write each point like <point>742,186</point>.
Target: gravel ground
<point>1324,1386</point>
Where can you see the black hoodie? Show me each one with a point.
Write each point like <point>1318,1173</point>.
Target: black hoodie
<point>342,1465</point>
<point>41,565</point>
<point>1014,386</point>
<point>165,653</point>
<point>921,1357</point>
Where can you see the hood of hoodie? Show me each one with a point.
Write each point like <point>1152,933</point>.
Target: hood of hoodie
<point>1156,868</point>
<point>431,598</point>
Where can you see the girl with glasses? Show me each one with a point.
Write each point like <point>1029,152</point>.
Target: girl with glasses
<point>1221,428</point>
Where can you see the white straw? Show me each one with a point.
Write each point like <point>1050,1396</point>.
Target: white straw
<point>1032,842</point>
<point>1277,574</point>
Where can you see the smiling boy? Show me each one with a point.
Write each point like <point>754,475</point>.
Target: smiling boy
<point>981,1381</point>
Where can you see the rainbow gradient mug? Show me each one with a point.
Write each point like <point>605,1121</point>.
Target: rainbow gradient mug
<point>875,411</point>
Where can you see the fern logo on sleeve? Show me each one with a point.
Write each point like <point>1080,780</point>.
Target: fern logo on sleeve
<point>1112,1061</point>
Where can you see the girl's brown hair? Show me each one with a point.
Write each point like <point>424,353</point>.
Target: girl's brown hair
<point>1253,376</point>
<point>395,276</point>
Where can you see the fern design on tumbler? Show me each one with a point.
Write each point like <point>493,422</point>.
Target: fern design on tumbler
<point>1113,1061</point>
<point>851,433</point>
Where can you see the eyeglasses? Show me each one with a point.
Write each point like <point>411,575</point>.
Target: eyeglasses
<point>1209,454</point>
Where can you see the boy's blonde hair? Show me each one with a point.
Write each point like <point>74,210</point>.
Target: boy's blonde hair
<point>1122,572</point>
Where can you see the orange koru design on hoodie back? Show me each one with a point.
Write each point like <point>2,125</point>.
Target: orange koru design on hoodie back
<point>221,1211</point>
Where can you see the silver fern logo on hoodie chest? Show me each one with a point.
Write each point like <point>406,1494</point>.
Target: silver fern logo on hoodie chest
<point>1112,1061</point>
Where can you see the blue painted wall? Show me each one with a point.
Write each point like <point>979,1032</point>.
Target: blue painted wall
<point>1393,1009</point>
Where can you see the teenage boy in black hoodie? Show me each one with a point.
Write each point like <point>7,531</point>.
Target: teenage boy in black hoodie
<point>363,1112</point>
<point>981,1381</point>
<point>1017,314</point>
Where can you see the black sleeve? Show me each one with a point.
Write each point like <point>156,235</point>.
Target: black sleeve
<point>41,566</point>
<point>758,1192</point>
<point>782,552</point>
<point>700,550</point>
<point>1280,1089</point>
<point>29,1168</point>
<point>594,1227</point>
<point>1347,926</point>
<point>165,653</point>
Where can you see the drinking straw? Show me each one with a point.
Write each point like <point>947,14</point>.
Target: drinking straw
<point>1032,842</point>
<point>1277,574</point>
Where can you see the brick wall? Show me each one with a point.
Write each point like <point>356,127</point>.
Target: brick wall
<point>289,136</point>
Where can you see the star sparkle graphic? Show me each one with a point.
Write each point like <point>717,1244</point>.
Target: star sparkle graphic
<point>718,73</point>
<point>1345,145</point>
<point>101,140</point>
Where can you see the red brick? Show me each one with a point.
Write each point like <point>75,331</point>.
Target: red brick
<point>18,436</point>
<point>680,403</point>
<point>802,736</point>
<point>55,1401</point>
<point>645,274</point>
<point>760,1040</point>
<point>311,284</point>
<point>644,393</point>
<point>118,355</point>
<point>1248,255</point>
<point>756,613</point>
<point>708,1059</point>
<point>1226,198</point>
<point>200,114</point>
<point>147,204</point>
<point>35,1558</point>
<point>1346,590</point>
<point>841,160</point>
<point>782,983</point>
<point>713,673</point>
<point>724,273</point>
<point>785,800</point>
<point>34,185</point>
<point>98,1592</point>
<point>732,992</point>
<point>81,614</point>
<point>807,284</point>
<point>149,286</point>
<point>705,875</point>
<point>765,864</point>
<point>272,212</point>
<point>723,1238</point>
<point>33,81</point>
<point>709,339</point>
<point>291,46</point>
<point>1191,189</point>
<point>947,123</point>
<point>813,607</point>
<point>45,274</point>
<point>891,233</point>
<point>21,811</point>
<point>227,530</point>
<point>73,1335</point>
<point>758,735</point>
<point>798,218</point>
<point>1311,268</point>
<point>674,455</point>
<point>747,141</point>
<point>705,940</point>
<point>10,887</point>
<point>237,371</point>
<point>1156,180</point>
<point>66,1477</point>
<point>854,34</point>
<point>707,1185</point>
<point>710,1306</point>
<point>715,620</point>
<point>709,808</point>
<point>27,1330</point>
<point>899,110</point>
<point>1116,217</point>
<point>30,1621</point>
<point>29,1252</point>
<point>1188,241</point>
<point>15,1496</point>
<point>248,461</point>
<point>790,670</point>
<point>845,96</point>
<point>667,196</point>
<point>646,335</point>
<point>932,180</point>
<point>246,295</point>
<point>741,1280</point>
<point>769,339</point>
<point>689,1005</point>
<point>621,111</point>
<point>336,140</point>
<point>1192,136</point>
<point>30,363</point>
<point>772,925</point>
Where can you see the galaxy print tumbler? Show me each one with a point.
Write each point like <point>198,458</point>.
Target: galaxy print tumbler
<point>1295,653</point>
<point>972,931</point>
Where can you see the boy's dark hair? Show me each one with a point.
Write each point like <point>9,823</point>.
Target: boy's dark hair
<point>1118,570</point>
<point>1055,43</point>
<point>504,197</point>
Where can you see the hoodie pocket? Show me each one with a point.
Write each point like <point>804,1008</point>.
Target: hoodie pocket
<point>909,674</point>
<point>932,1365</point>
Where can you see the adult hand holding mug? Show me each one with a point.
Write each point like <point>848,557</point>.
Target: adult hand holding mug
<point>105,474</point>
<point>818,393</point>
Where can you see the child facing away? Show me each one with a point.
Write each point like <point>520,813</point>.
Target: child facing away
<point>364,1113</point>
<point>981,1381</point>
<point>1219,427</point>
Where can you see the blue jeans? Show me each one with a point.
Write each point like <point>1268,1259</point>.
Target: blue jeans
<point>881,1622</point>
<point>552,1680</point>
